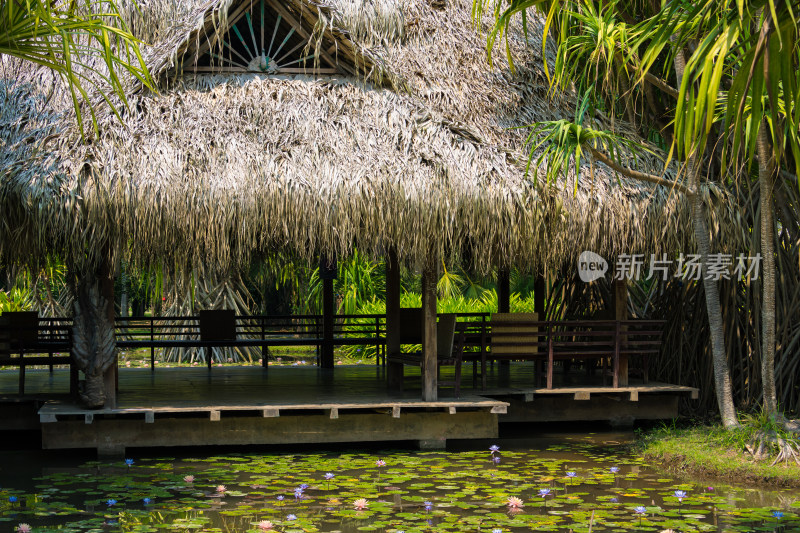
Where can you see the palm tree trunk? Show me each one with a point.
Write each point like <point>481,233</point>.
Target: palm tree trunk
<point>766,180</point>
<point>94,348</point>
<point>722,372</point>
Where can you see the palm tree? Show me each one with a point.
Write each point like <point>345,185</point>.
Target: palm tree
<point>86,43</point>
<point>737,100</point>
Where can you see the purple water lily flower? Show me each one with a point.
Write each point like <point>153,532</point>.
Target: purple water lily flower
<point>544,493</point>
<point>146,501</point>
<point>614,469</point>
<point>12,499</point>
<point>380,462</point>
<point>111,502</point>
<point>572,474</point>
<point>614,499</point>
<point>680,494</point>
<point>291,517</point>
<point>329,476</point>
<point>777,514</point>
<point>304,486</point>
<point>497,530</point>
<point>129,462</point>
<point>428,506</point>
<point>641,509</point>
<point>494,448</point>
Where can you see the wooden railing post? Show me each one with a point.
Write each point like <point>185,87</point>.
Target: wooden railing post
<point>394,370</point>
<point>377,339</point>
<point>152,347</point>
<point>620,297</point>
<point>550,354</point>
<point>264,348</point>
<point>616,353</point>
<point>430,366</point>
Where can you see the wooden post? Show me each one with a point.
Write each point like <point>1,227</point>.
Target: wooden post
<point>504,306</point>
<point>503,291</point>
<point>620,299</point>
<point>394,371</point>
<point>429,355</point>
<point>539,307</point>
<point>328,274</point>
<point>539,296</point>
<point>110,376</point>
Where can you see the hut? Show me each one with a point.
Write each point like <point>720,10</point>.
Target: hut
<point>314,127</point>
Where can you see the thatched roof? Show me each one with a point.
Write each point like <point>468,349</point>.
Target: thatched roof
<point>409,148</point>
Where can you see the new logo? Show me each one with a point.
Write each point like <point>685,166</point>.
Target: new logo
<point>591,266</point>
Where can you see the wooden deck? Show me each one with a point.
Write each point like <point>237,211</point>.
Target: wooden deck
<point>252,405</point>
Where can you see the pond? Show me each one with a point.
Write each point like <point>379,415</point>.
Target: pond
<point>579,484</point>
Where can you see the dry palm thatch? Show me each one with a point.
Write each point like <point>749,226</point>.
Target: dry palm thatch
<point>219,168</point>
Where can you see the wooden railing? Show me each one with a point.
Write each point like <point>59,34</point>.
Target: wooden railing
<point>483,340</point>
<point>549,341</point>
<point>25,333</point>
<point>262,331</point>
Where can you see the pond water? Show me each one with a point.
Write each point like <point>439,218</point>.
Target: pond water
<point>579,484</point>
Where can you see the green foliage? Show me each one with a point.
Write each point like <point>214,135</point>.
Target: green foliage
<point>743,67</point>
<point>593,50</point>
<point>83,41</point>
<point>359,281</point>
<point>751,426</point>
<point>561,143</point>
<point>716,451</point>
<point>17,299</point>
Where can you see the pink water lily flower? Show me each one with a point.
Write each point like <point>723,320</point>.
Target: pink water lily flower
<point>515,503</point>
<point>265,524</point>
<point>221,489</point>
<point>24,528</point>
<point>360,504</point>
<point>188,479</point>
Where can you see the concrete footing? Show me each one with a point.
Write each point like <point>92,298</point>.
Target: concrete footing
<point>111,436</point>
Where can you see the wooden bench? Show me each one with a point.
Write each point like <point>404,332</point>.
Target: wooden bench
<point>21,333</point>
<point>551,341</point>
<point>449,346</point>
<point>641,339</point>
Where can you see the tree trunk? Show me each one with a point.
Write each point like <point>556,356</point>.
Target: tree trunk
<point>766,180</point>
<point>722,372</point>
<point>94,348</point>
<point>123,297</point>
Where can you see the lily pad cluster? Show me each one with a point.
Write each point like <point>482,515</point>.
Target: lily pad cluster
<point>575,486</point>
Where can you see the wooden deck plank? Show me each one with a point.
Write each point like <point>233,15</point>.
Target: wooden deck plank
<point>284,389</point>
<point>271,410</point>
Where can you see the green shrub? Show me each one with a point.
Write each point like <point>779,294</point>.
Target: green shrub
<point>15,300</point>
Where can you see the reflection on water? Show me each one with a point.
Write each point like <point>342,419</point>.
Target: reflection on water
<point>554,483</point>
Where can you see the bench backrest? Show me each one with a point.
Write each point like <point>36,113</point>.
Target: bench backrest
<point>4,338</point>
<point>411,325</point>
<point>504,333</point>
<point>218,325</point>
<point>445,334</point>
<point>22,327</point>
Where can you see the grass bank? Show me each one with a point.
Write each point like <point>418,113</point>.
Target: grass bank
<point>715,453</point>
